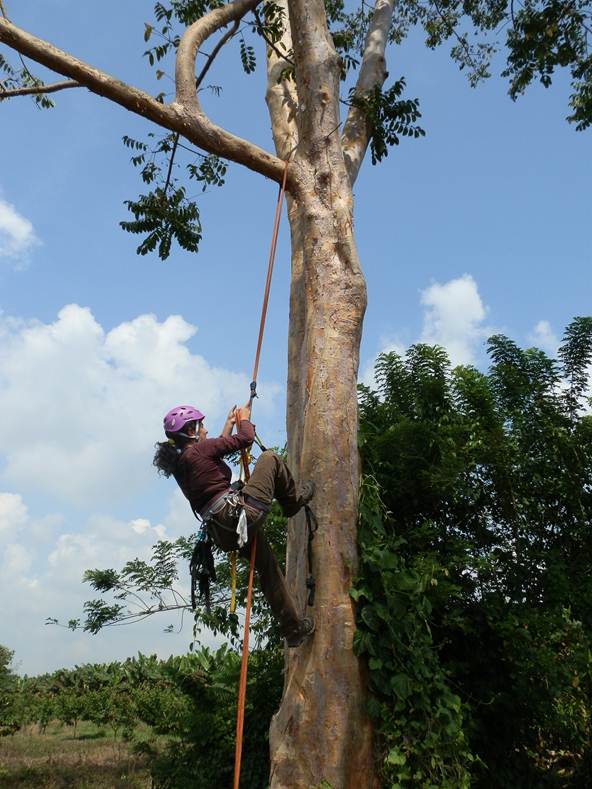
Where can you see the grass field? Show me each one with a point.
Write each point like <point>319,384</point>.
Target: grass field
<point>61,758</point>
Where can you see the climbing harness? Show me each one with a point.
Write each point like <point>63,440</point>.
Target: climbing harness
<point>202,570</point>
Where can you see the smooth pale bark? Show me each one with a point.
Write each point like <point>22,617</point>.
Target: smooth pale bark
<point>322,731</point>
<point>356,132</point>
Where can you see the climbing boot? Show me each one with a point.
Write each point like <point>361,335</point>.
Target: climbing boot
<point>305,494</point>
<point>305,630</point>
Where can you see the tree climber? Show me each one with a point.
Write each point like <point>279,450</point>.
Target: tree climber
<point>233,518</point>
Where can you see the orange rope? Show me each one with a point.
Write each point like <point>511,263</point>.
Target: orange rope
<point>270,262</point>
<point>242,686</point>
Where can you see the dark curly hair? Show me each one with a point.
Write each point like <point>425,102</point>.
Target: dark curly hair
<point>166,457</point>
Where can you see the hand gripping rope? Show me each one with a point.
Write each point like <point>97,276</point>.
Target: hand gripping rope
<point>242,687</point>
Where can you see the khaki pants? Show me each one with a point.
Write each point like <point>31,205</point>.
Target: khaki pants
<point>270,479</point>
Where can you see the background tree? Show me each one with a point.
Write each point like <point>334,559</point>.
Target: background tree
<point>328,292</point>
<point>474,597</point>
<point>8,682</point>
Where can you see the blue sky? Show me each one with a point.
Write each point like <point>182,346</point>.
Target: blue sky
<point>482,226</point>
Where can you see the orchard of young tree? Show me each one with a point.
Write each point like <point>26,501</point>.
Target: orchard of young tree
<point>331,105</point>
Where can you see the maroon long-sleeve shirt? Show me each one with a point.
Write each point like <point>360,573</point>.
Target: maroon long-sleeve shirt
<point>201,473</point>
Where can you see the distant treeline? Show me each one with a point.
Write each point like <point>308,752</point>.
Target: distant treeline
<point>187,703</point>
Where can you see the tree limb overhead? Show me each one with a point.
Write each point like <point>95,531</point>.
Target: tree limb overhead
<point>195,127</point>
<point>373,73</point>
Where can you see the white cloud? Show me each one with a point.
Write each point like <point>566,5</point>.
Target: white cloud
<point>86,404</point>
<point>16,560</point>
<point>17,236</point>
<point>43,577</point>
<point>454,318</point>
<point>543,336</point>
<point>13,513</point>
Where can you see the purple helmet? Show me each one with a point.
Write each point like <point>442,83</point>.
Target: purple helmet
<point>178,417</point>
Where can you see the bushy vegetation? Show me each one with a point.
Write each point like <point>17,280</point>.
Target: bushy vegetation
<point>184,708</point>
<point>475,591</point>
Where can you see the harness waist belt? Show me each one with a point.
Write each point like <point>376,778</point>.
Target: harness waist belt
<point>256,504</point>
<point>214,505</point>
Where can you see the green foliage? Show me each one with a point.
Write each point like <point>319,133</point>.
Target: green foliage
<point>8,683</point>
<point>188,703</point>
<point>166,213</point>
<point>548,35</point>
<point>389,117</point>
<point>209,172</point>
<point>164,217</point>
<point>145,587</point>
<point>14,78</point>
<point>247,55</point>
<point>474,595</point>
<point>540,36</point>
<point>418,716</point>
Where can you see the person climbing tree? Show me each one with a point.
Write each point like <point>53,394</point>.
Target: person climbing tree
<point>233,516</point>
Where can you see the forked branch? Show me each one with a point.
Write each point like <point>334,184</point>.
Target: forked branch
<point>191,41</point>
<point>212,137</point>
<point>179,116</point>
<point>356,132</point>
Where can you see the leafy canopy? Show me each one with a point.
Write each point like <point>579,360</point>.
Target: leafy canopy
<point>474,592</point>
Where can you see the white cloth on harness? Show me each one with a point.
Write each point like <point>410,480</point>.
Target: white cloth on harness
<point>233,500</point>
<point>241,528</point>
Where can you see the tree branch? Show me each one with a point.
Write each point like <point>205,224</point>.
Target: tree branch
<point>210,59</point>
<point>281,96</point>
<point>191,41</point>
<point>213,138</point>
<point>373,73</point>
<point>261,30</point>
<point>36,89</point>
<point>194,126</point>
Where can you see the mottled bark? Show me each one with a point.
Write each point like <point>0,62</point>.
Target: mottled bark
<point>322,731</point>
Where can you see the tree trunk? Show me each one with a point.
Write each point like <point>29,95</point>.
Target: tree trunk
<point>322,731</point>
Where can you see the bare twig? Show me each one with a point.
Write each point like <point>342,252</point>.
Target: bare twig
<point>171,160</point>
<point>32,89</point>
<point>268,41</point>
<point>452,31</point>
<point>37,89</point>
